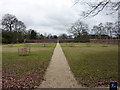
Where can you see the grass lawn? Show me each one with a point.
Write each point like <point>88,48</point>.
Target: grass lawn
<point>20,68</point>
<point>92,66</point>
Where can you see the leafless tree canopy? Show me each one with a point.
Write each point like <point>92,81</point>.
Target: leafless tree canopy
<point>116,29</point>
<point>97,6</point>
<point>13,30</point>
<point>110,29</point>
<point>8,22</point>
<point>80,31</point>
<point>11,23</point>
<point>78,28</point>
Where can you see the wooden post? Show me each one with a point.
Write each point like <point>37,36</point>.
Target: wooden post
<point>18,51</point>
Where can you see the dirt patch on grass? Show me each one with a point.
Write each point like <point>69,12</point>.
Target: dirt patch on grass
<point>29,81</point>
<point>20,72</point>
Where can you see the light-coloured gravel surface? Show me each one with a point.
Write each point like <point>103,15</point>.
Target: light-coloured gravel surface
<point>0,67</point>
<point>58,74</point>
<point>0,77</point>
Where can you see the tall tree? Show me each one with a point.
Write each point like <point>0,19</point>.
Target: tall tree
<point>95,30</point>
<point>13,30</point>
<point>109,28</point>
<point>116,29</point>
<point>8,22</point>
<point>78,29</point>
<point>32,34</point>
<point>101,31</point>
<point>20,30</point>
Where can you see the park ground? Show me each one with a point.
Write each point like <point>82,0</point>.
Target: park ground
<point>25,71</point>
<point>93,65</point>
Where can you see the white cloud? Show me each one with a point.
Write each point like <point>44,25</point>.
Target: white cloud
<point>48,16</point>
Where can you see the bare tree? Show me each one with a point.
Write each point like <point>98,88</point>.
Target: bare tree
<point>97,6</point>
<point>101,31</point>
<point>116,29</point>
<point>109,29</point>
<point>19,26</point>
<point>11,23</point>
<point>12,27</point>
<point>8,21</point>
<point>79,29</point>
<point>95,30</point>
<point>20,29</point>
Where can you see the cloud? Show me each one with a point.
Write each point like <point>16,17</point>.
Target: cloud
<point>48,16</point>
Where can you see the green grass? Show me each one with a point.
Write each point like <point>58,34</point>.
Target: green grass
<point>93,65</point>
<point>34,45</point>
<point>18,66</point>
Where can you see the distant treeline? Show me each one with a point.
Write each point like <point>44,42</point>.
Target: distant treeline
<point>15,31</point>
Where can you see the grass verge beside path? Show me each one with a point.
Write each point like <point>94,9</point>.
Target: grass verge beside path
<point>25,71</point>
<point>92,66</point>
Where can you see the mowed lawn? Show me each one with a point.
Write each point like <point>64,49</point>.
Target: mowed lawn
<point>93,66</point>
<point>21,68</point>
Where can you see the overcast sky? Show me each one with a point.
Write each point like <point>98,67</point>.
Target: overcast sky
<point>50,16</point>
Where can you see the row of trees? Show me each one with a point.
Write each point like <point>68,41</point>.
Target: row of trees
<point>14,31</point>
<point>95,7</point>
<point>109,30</point>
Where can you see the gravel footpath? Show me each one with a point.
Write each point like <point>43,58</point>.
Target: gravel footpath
<point>58,74</point>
